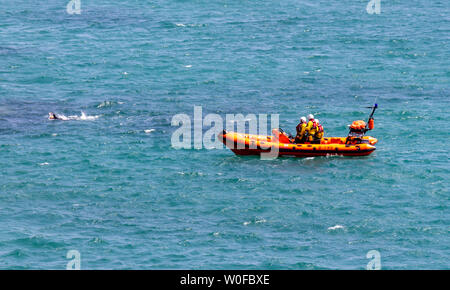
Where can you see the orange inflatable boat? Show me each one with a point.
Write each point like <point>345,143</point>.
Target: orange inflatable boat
<point>246,144</point>
<point>355,144</point>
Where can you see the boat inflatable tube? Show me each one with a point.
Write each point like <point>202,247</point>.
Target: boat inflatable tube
<point>247,144</point>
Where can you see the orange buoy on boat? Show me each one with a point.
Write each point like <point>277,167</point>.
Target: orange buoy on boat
<point>371,124</point>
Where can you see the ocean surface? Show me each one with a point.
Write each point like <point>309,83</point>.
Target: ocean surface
<point>108,184</point>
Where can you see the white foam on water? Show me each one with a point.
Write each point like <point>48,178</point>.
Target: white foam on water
<point>336,227</point>
<point>260,221</point>
<point>108,104</point>
<point>85,117</point>
<point>82,117</point>
<point>148,131</point>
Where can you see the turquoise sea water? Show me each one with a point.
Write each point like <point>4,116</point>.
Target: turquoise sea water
<point>125,199</point>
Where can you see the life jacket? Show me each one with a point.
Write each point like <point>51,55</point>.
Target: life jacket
<point>319,128</point>
<point>319,133</point>
<point>301,128</point>
<point>312,127</point>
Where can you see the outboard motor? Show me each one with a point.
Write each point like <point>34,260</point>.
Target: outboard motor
<point>359,128</point>
<point>357,131</point>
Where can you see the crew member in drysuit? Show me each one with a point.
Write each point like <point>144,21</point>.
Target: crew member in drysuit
<point>311,128</point>
<point>301,131</point>
<point>319,134</point>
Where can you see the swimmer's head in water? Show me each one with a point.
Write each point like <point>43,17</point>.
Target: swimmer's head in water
<point>51,116</point>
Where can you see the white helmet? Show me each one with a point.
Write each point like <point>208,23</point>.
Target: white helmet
<point>310,117</point>
<point>317,121</point>
<point>303,119</point>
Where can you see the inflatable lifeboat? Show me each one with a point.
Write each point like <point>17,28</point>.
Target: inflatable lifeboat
<point>355,144</point>
<point>247,144</point>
